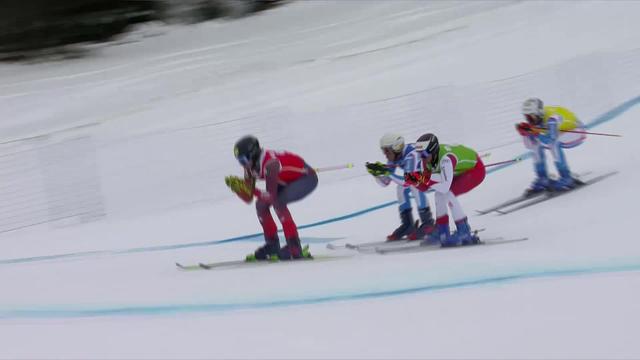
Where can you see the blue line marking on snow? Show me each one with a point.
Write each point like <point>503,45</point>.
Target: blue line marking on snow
<point>250,237</point>
<point>349,216</point>
<point>170,309</point>
<point>614,113</point>
<point>606,117</point>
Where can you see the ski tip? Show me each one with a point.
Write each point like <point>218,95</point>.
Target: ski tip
<point>183,267</point>
<point>379,250</point>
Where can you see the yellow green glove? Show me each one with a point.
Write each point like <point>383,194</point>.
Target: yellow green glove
<point>378,169</point>
<point>240,187</point>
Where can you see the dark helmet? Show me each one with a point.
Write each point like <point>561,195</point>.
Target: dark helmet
<point>247,149</point>
<point>429,145</point>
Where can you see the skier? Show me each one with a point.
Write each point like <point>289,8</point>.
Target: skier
<point>288,178</point>
<point>449,170</point>
<point>405,157</point>
<point>545,128</point>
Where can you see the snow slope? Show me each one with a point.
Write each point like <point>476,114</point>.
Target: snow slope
<point>145,129</point>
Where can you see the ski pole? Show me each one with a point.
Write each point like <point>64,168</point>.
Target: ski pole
<point>336,167</point>
<point>505,162</point>
<point>590,133</point>
<point>582,132</point>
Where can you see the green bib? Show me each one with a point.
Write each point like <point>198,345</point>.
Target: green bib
<point>466,158</point>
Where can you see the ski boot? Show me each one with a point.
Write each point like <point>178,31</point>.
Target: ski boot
<point>566,181</point>
<point>542,181</point>
<point>293,250</point>
<point>269,251</point>
<point>427,226</point>
<point>464,234</point>
<point>406,227</point>
<point>439,236</point>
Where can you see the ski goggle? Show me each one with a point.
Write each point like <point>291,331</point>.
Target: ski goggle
<point>534,119</point>
<point>243,160</point>
<point>387,150</point>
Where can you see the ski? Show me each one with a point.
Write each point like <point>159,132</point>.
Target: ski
<point>233,264</point>
<point>521,198</point>
<point>551,195</point>
<point>420,248</point>
<point>371,246</point>
<point>201,266</point>
<point>508,203</point>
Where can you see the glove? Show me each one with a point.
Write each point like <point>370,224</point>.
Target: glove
<point>378,169</point>
<point>416,178</point>
<point>412,178</point>
<point>525,129</point>
<point>244,189</point>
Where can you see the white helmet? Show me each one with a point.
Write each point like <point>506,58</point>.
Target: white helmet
<point>393,141</point>
<point>533,106</point>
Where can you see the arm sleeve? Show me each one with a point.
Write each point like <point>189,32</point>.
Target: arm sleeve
<point>271,172</point>
<point>397,179</point>
<point>553,124</point>
<point>383,180</point>
<point>446,176</point>
<point>410,163</point>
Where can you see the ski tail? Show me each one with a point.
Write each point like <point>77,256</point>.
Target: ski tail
<point>508,203</point>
